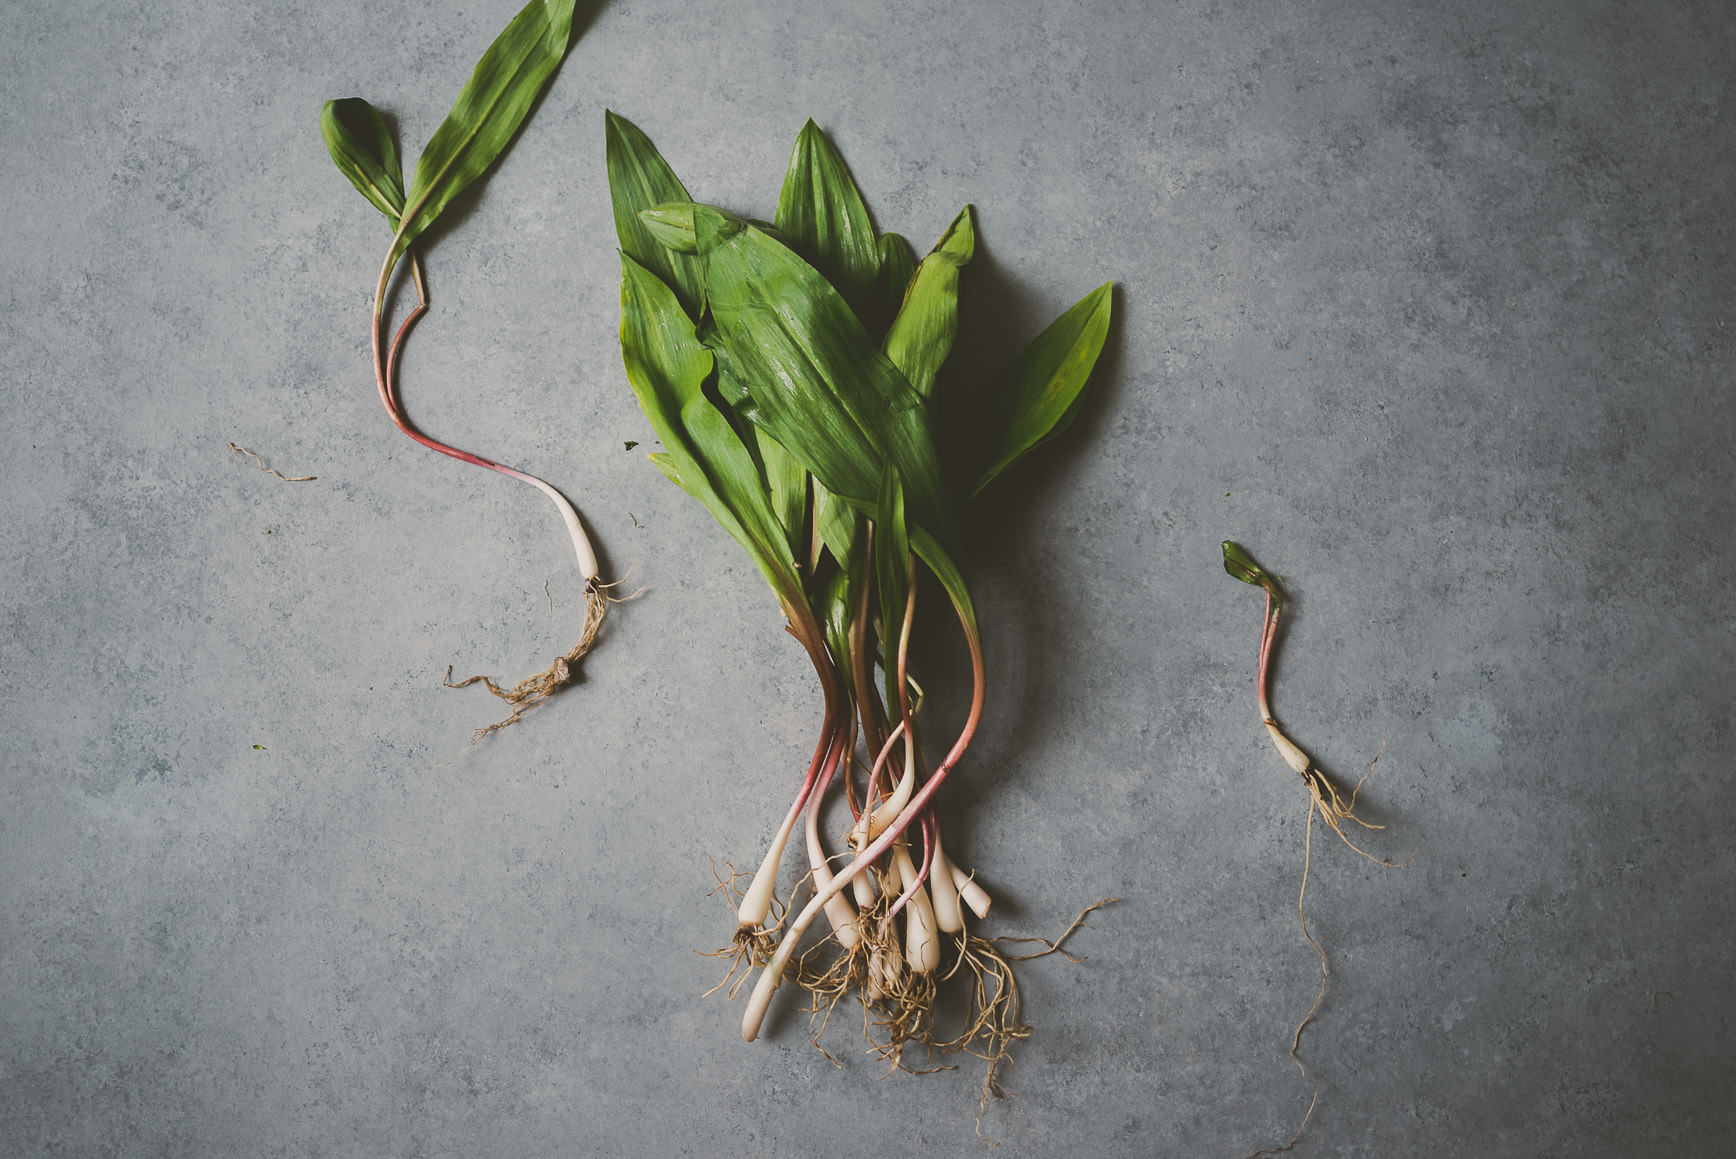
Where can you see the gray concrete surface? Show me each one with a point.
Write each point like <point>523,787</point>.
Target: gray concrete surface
<point>1427,304</point>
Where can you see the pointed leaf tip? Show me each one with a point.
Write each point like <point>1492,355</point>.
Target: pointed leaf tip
<point>489,110</point>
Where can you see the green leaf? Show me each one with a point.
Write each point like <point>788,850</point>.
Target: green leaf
<point>822,216</point>
<point>837,601</point>
<point>897,267</point>
<point>1241,565</point>
<point>703,454</point>
<point>922,334</point>
<point>816,382</point>
<point>361,145</point>
<point>489,110</point>
<point>946,570</point>
<point>640,180</point>
<point>1044,384</point>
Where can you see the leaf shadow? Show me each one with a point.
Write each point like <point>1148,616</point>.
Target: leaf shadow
<point>997,316</point>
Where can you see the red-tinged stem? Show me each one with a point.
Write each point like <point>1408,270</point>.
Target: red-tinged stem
<point>757,901</point>
<point>774,971</point>
<point>1268,633</point>
<point>385,378</point>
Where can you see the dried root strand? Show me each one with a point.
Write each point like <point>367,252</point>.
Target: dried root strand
<point>1054,947</point>
<point>534,691</point>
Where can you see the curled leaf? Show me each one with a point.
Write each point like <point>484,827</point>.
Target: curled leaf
<point>359,142</point>
<point>1241,565</point>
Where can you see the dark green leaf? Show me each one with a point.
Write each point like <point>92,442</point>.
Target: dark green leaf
<point>1044,384</point>
<point>821,216</point>
<point>946,570</point>
<point>629,444</point>
<point>358,140</point>
<point>816,381</point>
<point>837,601</point>
<point>786,486</point>
<point>703,454</point>
<point>640,180</point>
<point>922,334</point>
<point>489,110</point>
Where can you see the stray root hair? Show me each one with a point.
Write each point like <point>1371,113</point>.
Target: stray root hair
<point>236,452</point>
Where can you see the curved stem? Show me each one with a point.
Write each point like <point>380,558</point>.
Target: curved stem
<point>385,378</point>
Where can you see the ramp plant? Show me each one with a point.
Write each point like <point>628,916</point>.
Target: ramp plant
<point>789,370</point>
<point>488,113</point>
<point>1324,796</point>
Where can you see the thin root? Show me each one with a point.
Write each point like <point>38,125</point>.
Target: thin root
<point>235,452</point>
<point>1054,947</point>
<point>1324,799</point>
<point>750,947</point>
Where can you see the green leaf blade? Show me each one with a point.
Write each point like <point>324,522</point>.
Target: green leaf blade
<point>922,334</point>
<point>363,149</point>
<point>897,267</point>
<point>822,216</point>
<point>1239,564</point>
<point>640,181</point>
<point>488,112</point>
<point>817,382</point>
<point>667,368</point>
<point>1045,383</point>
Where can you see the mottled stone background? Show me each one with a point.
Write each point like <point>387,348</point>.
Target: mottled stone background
<point>1426,303</point>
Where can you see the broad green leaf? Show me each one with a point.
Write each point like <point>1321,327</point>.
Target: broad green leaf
<point>361,145</point>
<point>703,454</point>
<point>1044,384</point>
<point>922,334</point>
<point>640,180</point>
<point>816,382</point>
<point>1241,565</point>
<point>897,267</point>
<point>821,216</point>
<point>489,110</point>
